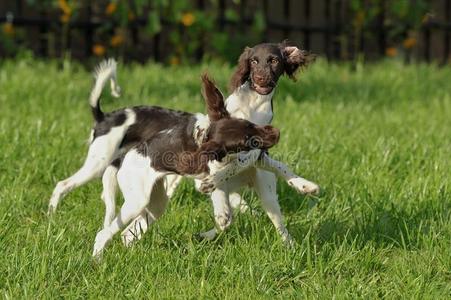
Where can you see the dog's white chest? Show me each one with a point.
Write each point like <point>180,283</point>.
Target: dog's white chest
<point>247,104</point>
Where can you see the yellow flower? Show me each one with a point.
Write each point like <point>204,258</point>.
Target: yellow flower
<point>98,50</point>
<point>110,8</point>
<point>426,18</point>
<point>64,6</point>
<point>188,19</point>
<point>65,18</point>
<point>359,18</point>
<point>8,29</point>
<point>391,51</point>
<point>174,60</point>
<point>117,40</point>
<point>409,43</point>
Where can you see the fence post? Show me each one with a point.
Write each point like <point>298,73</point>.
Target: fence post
<point>337,30</point>
<point>286,14</point>
<point>307,19</point>
<point>382,37</point>
<point>88,30</point>
<point>221,14</point>
<point>200,49</point>
<point>265,14</point>
<point>327,32</point>
<point>447,34</point>
<point>43,29</point>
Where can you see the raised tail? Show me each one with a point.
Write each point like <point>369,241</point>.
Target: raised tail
<point>105,71</point>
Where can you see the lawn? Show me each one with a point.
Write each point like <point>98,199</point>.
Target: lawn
<point>377,140</point>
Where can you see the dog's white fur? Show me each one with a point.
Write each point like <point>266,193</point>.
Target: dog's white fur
<point>142,185</point>
<point>259,174</point>
<point>138,180</point>
<point>143,192</point>
<point>248,104</point>
<point>101,149</point>
<point>101,152</point>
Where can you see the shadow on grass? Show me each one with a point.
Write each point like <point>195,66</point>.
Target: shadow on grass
<point>385,224</point>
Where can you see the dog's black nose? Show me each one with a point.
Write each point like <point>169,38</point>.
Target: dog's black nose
<point>259,79</point>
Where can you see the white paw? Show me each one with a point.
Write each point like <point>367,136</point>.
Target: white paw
<point>288,241</point>
<point>223,220</point>
<point>102,238</point>
<point>128,238</point>
<point>208,235</point>
<point>237,203</point>
<point>53,203</point>
<point>51,209</point>
<point>304,186</point>
<point>207,185</point>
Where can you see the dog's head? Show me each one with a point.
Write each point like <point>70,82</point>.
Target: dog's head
<point>236,135</point>
<point>263,64</point>
<point>232,135</point>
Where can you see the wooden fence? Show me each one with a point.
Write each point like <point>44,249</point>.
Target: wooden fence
<point>322,26</point>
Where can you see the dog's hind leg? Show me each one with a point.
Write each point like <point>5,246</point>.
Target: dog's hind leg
<point>136,179</point>
<point>109,182</point>
<point>171,182</point>
<point>265,186</point>
<point>100,154</point>
<point>140,224</point>
<point>153,211</point>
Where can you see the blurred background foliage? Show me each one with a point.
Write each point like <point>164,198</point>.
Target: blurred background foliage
<point>184,31</point>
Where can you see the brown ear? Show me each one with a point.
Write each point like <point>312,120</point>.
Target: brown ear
<point>214,99</point>
<point>241,74</point>
<point>294,58</point>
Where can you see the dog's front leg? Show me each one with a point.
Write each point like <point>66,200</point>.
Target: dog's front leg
<point>302,185</point>
<point>221,208</point>
<point>222,213</point>
<point>221,172</point>
<point>221,205</point>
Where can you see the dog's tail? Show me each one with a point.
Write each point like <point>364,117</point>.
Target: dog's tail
<point>105,71</point>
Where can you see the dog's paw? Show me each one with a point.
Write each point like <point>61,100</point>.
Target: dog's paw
<point>207,186</point>
<point>129,238</point>
<point>304,186</point>
<point>223,220</point>
<point>51,210</point>
<point>289,242</point>
<point>207,235</point>
<point>238,203</point>
<point>102,238</point>
<point>53,203</point>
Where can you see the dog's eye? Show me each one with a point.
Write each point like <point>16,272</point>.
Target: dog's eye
<point>254,61</point>
<point>274,61</point>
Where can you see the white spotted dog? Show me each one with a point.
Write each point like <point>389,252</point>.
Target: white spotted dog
<point>253,84</point>
<point>181,143</point>
<point>171,142</point>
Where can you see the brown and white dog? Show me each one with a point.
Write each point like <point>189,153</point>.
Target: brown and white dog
<point>150,142</point>
<point>252,85</point>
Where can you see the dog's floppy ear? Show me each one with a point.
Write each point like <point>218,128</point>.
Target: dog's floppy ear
<point>241,74</point>
<point>214,99</point>
<point>294,58</point>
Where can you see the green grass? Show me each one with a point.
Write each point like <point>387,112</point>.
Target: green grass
<point>376,140</point>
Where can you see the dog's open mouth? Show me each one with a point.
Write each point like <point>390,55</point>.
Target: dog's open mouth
<point>262,90</point>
